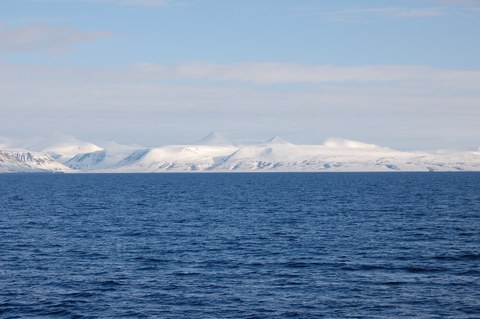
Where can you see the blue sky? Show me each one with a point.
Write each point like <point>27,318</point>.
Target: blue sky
<point>405,74</point>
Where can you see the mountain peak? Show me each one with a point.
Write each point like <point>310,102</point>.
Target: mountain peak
<point>214,138</point>
<point>277,140</point>
<point>58,145</point>
<point>112,145</point>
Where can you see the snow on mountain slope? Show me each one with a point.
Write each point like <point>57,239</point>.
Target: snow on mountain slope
<point>61,147</point>
<point>29,162</point>
<point>277,140</point>
<point>216,153</point>
<point>215,139</point>
<point>175,158</point>
<point>339,155</point>
<point>263,156</point>
<point>112,154</point>
<point>450,160</point>
<point>335,155</point>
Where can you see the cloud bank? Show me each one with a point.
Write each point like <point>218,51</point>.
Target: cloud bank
<point>405,107</point>
<point>291,73</point>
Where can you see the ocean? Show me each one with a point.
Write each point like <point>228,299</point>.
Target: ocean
<point>235,245</point>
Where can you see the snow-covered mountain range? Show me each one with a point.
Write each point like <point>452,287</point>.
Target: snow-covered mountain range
<point>15,161</point>
<point>215,153</point>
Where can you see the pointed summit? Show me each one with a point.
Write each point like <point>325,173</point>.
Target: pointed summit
<point>113,146</point>
<point>277,140</point>
<point>214,138</point>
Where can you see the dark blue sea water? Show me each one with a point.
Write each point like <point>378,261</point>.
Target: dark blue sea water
<point>371,245</point>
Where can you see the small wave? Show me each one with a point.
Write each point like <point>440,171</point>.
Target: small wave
<point>111,282</point>
<point>80,294</point>
<point>472,272</point>
<point>155,260</point>
<point>16,198</point>
<point>364,267</point>
<point>394,283</point>
<point>298,265</point>
<point>465,256</point>
<point>414,269</point>
<point>186,273</point>
<point>56,312</point>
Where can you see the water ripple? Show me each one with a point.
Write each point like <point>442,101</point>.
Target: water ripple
<point>240,246</point>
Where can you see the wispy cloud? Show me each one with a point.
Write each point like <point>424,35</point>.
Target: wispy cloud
<point>394,12</point>
<point>140,3</point>
<point>143,3</point>
<point>291,73</point>
<point>367,14</point>
<point>42,38</point>
<point>472,4</point>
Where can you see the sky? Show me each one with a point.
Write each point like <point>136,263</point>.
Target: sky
<point>398,73</point>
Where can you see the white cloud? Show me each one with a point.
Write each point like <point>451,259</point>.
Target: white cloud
<point>43,38</point>
<point>367,14</point>
<point>395,12</point>
<point>413,77</point>
<point>418,107</point>
<point>285,73</point>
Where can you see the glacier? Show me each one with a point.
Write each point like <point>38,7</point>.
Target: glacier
<point>216,153</point>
